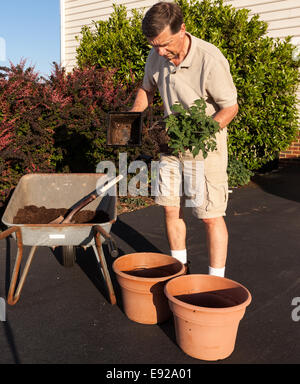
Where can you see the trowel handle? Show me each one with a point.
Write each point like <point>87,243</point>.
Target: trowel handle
<point>78,207</point>
<point>91,197</point>
<point>109,184</point>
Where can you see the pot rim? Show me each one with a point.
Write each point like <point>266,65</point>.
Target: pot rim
<point>148,279</point>
<point>207,309</point>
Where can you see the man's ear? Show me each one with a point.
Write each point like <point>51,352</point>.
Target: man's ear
<point>182,29</point>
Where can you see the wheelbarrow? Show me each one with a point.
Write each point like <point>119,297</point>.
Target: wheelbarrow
<point>58,191</point>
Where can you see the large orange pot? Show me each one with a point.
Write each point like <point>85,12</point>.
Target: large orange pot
<point>142,277</point>
<point>207,311</point>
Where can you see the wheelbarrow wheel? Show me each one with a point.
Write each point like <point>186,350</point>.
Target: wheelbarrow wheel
<point>68,255</point>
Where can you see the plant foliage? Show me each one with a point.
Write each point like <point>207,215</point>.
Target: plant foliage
<point>80,132</point>
<point>264,72</point>
<point>115,43</point>
<point>27,125</point>
<point>191,129</point>
<point>263,68</point>
<point>56,124</point>
<point>238,174</point>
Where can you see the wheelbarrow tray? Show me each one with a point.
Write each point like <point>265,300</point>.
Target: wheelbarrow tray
<point>59,191</point>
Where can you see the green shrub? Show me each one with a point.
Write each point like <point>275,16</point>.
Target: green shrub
<point>264,73</point>
<point>263,70</point>
<point>116,43</point>
<point>238,174</point>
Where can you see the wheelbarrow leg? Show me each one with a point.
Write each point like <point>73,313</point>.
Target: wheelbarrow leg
<point>14,295</point>
<point>101,258</point>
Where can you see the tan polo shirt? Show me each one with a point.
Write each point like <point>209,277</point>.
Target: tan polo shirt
<point>204,73</point>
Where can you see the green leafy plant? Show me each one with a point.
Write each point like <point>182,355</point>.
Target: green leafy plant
<point>238,174</point>
<point>191,129</point>
<point>115,43</point>
<point>264,70</point>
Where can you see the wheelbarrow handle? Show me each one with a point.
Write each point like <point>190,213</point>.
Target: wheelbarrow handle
<point>13,293</point>
<point>9,232</point>
<point>112,246</point>
<point>101,257</point>
<point>113,249</point>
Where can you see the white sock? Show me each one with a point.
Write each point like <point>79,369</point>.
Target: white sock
<point>180,255</point>
<point>216,271</point>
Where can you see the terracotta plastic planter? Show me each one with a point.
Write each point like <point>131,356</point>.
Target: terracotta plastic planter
<point>142,277</point>
<point>125,128</point>
<point>207,311</point>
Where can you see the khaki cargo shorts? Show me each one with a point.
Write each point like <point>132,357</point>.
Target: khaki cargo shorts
<point>201,184</point>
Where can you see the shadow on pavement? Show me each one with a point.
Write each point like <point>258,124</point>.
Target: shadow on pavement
<point>87,261</point>
<point>11,342</point>
<point>168,328</point>
<point>7,266</point>
<point>133,238</point>
<point>7,328</point>
<point>284,182</point>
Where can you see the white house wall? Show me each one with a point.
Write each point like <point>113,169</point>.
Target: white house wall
<point>77,13</point>
<point>283,17</point>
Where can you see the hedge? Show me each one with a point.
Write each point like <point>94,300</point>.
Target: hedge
<point>56,124</point>
<point>27,125</point>
<point>265,74</point>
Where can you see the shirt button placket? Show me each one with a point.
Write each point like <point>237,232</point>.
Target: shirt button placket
<point>173,73</point>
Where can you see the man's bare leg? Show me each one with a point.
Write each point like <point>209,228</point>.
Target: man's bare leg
<point>217,241</point>
<point>216,236</point>
<point>176,232</point>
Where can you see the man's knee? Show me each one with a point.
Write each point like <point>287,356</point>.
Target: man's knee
<point>173,213</point>
<point>213,220</point>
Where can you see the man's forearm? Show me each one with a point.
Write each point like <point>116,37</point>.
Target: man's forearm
<point>226,115</point>
<point>142,101</point>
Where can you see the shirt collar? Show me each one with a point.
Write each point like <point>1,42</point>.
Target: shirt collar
<point>187,62</point>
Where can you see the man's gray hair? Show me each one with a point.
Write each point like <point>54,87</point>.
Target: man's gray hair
<point>161,15</point>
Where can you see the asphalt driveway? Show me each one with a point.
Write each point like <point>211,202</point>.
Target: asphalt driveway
<point>63,315</point>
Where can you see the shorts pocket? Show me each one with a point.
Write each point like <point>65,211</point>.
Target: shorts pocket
<point>217,194</point>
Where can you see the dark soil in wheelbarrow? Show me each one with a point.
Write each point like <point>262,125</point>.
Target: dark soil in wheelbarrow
<point>41,215</point>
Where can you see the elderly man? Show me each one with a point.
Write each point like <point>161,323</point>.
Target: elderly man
<point>184,69</point>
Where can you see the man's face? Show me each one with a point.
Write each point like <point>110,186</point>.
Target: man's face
<point>167,44</point>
